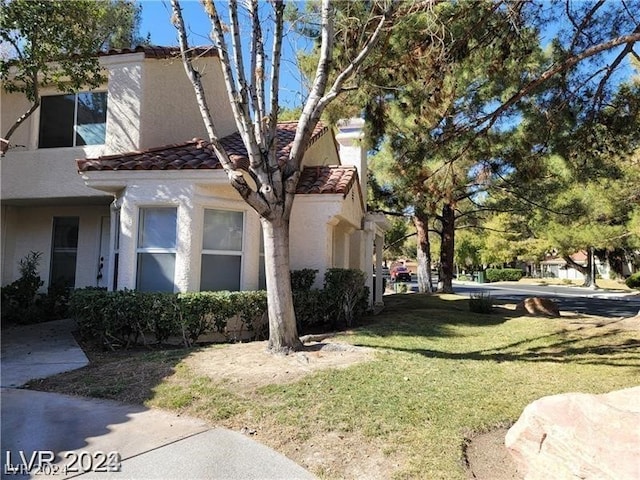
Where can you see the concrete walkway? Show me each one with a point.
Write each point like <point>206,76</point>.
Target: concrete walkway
<point>73,436</point>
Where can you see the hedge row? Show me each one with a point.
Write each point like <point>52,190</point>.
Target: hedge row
<point>128,317</point>
<point>503,274</point>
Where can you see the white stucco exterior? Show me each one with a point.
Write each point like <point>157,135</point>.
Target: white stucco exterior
<point>150,103</point>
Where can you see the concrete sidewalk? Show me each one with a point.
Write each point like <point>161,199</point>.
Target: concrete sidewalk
<point>73,436</point>
<point>39,351</point>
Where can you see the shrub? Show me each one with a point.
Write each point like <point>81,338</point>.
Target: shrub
<point>633,281</point>
<point>480,303</point>
<point>503,274</point>
<point>346,294</point>
<point>19,298</point>
<point>302,280</point>
<point>127,317</point>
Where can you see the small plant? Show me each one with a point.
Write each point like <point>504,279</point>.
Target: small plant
<point>402,288</point>
<point>19,298</point>
<point>480,303</point>
<point>346,288</point>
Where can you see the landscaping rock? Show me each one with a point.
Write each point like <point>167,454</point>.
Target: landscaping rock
<point>578,435</point>
<point>538,306</point>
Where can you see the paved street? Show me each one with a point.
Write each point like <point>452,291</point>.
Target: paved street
<point>572,299</point>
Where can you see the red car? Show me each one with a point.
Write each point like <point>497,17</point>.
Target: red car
<point>401,274</point>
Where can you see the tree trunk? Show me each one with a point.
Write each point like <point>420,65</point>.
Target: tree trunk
<point>446,249</point>
<point>421,222</point>
<point>283,331</point>
<point>588,271</point>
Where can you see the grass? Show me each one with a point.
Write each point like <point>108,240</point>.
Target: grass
<point>440,374</point>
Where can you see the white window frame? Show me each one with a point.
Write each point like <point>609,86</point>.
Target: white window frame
<point>157,250</point>
<point>238,253</point>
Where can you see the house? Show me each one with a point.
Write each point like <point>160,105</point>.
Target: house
<point>557,267</point>
<point>116,188</point>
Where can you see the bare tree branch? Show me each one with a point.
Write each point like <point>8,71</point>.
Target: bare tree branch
<point>235,177</point>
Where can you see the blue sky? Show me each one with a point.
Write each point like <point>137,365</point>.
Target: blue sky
<point>156,20</point>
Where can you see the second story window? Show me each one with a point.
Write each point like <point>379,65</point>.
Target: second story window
<point>73,120</point>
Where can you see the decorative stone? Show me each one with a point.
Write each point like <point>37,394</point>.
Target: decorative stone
<point>577,435</point>
<point>538,306</point>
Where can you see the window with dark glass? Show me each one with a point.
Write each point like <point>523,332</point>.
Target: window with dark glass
<point>221,250</point>
<point>156,249</point>
<point>64,251</point>
<point>73,120</point>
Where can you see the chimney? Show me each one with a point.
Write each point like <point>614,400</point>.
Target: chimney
<point>350,137</point>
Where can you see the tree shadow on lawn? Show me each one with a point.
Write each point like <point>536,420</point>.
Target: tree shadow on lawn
<point>126,375</point>
<point>433,316</point>
<point>430,315</point>
<point>611,351</point>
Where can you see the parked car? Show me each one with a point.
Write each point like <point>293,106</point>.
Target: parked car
<point>400,274</point>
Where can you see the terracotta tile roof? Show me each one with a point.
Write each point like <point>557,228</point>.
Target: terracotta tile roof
<point>327,179</point>
<point>193,155</point>
<point>197,154</point>
<point>160,52</point>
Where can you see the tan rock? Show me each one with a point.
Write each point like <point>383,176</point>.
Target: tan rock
<point>579,435</point>
<point>538,306</point>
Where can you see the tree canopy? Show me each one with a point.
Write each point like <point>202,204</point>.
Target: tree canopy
<point>449,103</point>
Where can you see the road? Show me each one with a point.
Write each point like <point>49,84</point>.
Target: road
<point>571,299</point>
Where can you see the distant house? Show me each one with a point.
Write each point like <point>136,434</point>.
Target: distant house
<point>557,267</point>
<point>116,188</point>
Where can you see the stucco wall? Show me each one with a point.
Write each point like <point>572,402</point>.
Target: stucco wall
<point>322,152</point>
<point>27,229</point>
<point>124,103</point>
<point>49,174</point>
<point>12,106</point>
<point>170,113</point>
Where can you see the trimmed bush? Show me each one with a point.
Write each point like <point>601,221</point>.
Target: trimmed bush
<point>128,317</point>
<point>633,281</point>
<point>481,303</point>
<point>302,280</point>
<point>503,274</point>
<point>346,294</point>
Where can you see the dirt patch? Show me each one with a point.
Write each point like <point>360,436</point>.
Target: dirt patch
<point>248,366</point>
<point>488,459</point>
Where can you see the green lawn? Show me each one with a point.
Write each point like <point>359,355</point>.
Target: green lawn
<point>440,374</point>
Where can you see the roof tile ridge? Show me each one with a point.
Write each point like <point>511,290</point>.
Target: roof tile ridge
<point>195,141</point>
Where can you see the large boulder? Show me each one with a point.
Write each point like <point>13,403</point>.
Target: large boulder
<point>538,306</point>
<point>577,435</point>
